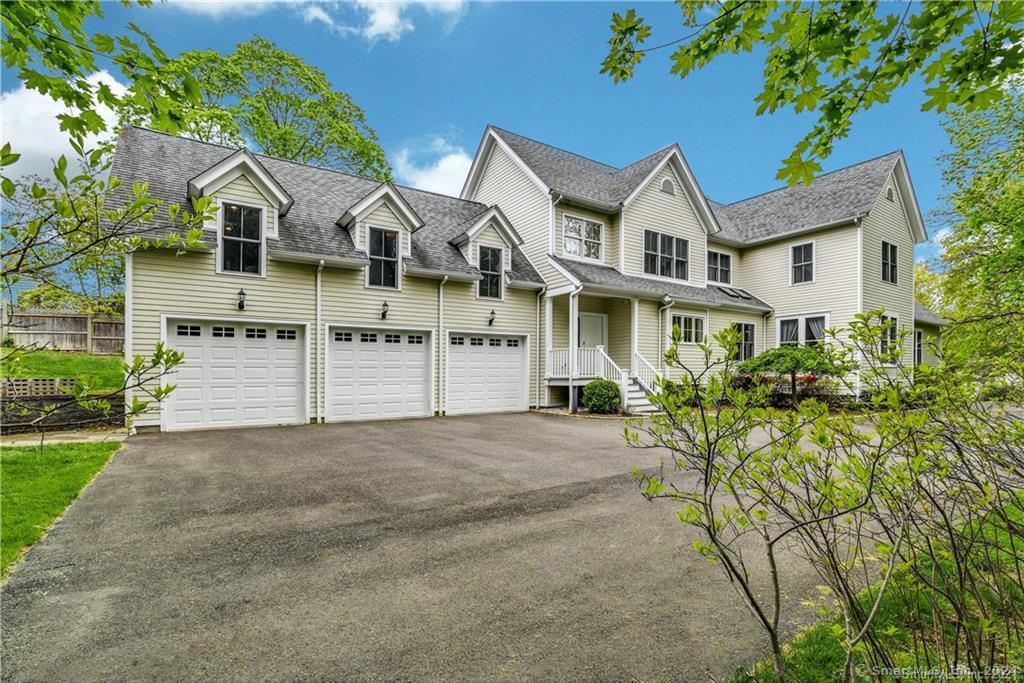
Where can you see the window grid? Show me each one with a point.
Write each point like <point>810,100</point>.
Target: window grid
<point>918,348</point>
<point>255,333</point>
<point>808,330</point>
<point>582,237</point>
<point>368,337</point>
<point>188,330</point>
<point>803,263</point>
<point>476,341</point>
<point>342,336</point>
<point>241,239</point>
<point>666,256</point>
<point>745,348</point>
<point>720,267</point>
<point>889,336</point>
<point>494,341</point>
<point>889,261</point>
<point>512,343</point>
<point>458,341</point>
<point>691,328</point>
<point>392,339</point>
<point>383,258</point>
<point>414,339</point>
<point>219,331</point>
<point>489,285</point>
<point>286,334</point>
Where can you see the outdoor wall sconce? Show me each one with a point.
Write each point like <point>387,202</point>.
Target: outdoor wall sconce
<point>241,299</point>
<point>384,310</point>
<point>490,318</point>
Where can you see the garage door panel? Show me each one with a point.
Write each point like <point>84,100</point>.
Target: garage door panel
<point>236,380</point>
<point>486,376</point>
<point>377,374</point>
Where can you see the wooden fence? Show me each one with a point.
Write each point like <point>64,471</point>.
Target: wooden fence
<point>64,331</point>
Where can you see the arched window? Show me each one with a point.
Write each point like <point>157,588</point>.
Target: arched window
<point>889,194</point>
<point>667,186</point>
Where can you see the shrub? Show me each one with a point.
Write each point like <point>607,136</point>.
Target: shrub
<point>8,342</point>
<point>601,396</point>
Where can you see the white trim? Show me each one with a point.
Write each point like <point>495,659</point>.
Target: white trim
<point>129,345</point>
<point>490,332</point>
<point>860,302</point>
<point>583,240</point>
<point>814,263</point>
<point>906,189</point>
<point>206,182</point>
<point>386,193</point>
<point>553,262</point>
<point>622,240</point>
<point>548,332</point>
<point>896,336</point>
<point>165,317</point>
<point>218,262</point>
<point>801,319</point>
<point>490,138</point>
<point>501,222</point>
<point>883,244</point>
<point>668,278</point>
<point>690,187</point>
<point>319,345</point>
<point>502,285</point>
<point>383,325</point>
<point>707,263</point>
<point>634,333</point>
<point>398,264</point>
<point>704,332</point>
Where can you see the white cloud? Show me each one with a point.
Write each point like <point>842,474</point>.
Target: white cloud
<point>939,236</point>
<point>218,9</point>
<point>376,20</point>
<point>437,166</point>
<point>30,124</point>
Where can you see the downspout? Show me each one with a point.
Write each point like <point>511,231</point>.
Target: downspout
<point>540,297</point>
<point>320,343</point>
<point>442,373</point>
<point>669,303</point>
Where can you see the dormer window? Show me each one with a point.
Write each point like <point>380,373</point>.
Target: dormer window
<point>582,237</point>
<point>241,239</point>
<point>490,268</point>
<point>667,186</point>
<point>383,258</point>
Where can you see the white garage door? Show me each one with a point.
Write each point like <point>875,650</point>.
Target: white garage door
<point>236,374</point>
<point>486,373</point>
<point>378,374</point>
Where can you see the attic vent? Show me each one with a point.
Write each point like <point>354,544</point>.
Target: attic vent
<point>889,194</point>
<point>667,186</point>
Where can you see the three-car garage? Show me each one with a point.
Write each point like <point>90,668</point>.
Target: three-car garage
<point>247,373</point>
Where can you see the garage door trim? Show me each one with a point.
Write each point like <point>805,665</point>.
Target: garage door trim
<point>489,332</point>
<point>329,328</point>
<point>165,318</point>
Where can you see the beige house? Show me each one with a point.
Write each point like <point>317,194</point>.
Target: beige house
<point>322,296</point>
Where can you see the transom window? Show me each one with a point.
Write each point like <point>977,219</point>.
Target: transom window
<point>808,330</point>
<point>188,330</point>
<point>720,267</point>
<point>666,256</point>
<point>241,239</point>
<point>802,260</point>
<point>745,349</point>
<point>890,333</point>
<point>889,273</point>
<point>383,258</point>
<point>582,237</point>
<point>490,267</point>
<point>691,328</point>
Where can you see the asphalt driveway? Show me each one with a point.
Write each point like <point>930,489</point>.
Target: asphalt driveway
<point>495,547</point>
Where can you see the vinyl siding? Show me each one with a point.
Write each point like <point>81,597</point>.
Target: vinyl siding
<point>689,354</point>
<point>383,217</point>
<point>766,273</point>
<point>888,221</point>
<point>668,214</point>
<point>609,231</point>
<point>242,190</point>
<point>188,285</point>
<point>620,318</point>
<point>737,263</point>
<point>932,335</point>
<point>489,237</point>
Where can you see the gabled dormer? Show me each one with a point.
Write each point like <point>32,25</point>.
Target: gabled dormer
<point>487,243</point>
<point>381,225</point>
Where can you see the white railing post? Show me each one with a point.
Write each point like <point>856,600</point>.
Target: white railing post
<point>624,388</point>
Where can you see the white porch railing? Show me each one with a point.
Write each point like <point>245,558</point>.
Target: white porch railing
<point>645,373</point>
<point>591,362</point>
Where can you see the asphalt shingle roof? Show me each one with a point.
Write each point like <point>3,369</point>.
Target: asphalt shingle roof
<point>846,193</point>
<point>579,176</point>
<point>321,197</point>
<point>713,295</point>
<point>925,315</point>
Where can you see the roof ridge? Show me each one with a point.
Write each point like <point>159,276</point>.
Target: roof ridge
<point>642,159</point>
<point>560,149</point>
<point>816,178</point>
<point>299,163</point>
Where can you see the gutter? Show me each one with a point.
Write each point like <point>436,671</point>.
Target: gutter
<point>296,257</point>
<point>850,220</point>
<point>587,203</point>
<point>540,297</point>
<point>442,274</point>
<point>526,284</point>
<point>321,342</point>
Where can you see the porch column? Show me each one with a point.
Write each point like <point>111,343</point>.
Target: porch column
<point>634,335</point>
<point>548,305</point>
<point>574,335</point>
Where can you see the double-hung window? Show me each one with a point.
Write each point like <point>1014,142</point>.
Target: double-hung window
<point>383,258</point>
<point>802,263</point>
<point>666,256</point>
<point>719,267</point>
<point>918,348</point>
<point>241,239</point>
<point>808,330</point>
<point>890,335</point>
<point>581,237</point>
<point>691,328</point>
<point>490,268</point>
<point>745,348</point>
<point>889,273</point>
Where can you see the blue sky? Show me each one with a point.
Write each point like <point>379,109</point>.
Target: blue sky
<point>431,76</point>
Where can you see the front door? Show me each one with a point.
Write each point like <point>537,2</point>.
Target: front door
<point>592,330</point>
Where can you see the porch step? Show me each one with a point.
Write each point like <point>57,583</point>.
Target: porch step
<point>636,399</point>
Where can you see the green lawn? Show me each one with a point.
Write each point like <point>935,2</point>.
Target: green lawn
<point>104,373</point>
<point>38,485</point>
